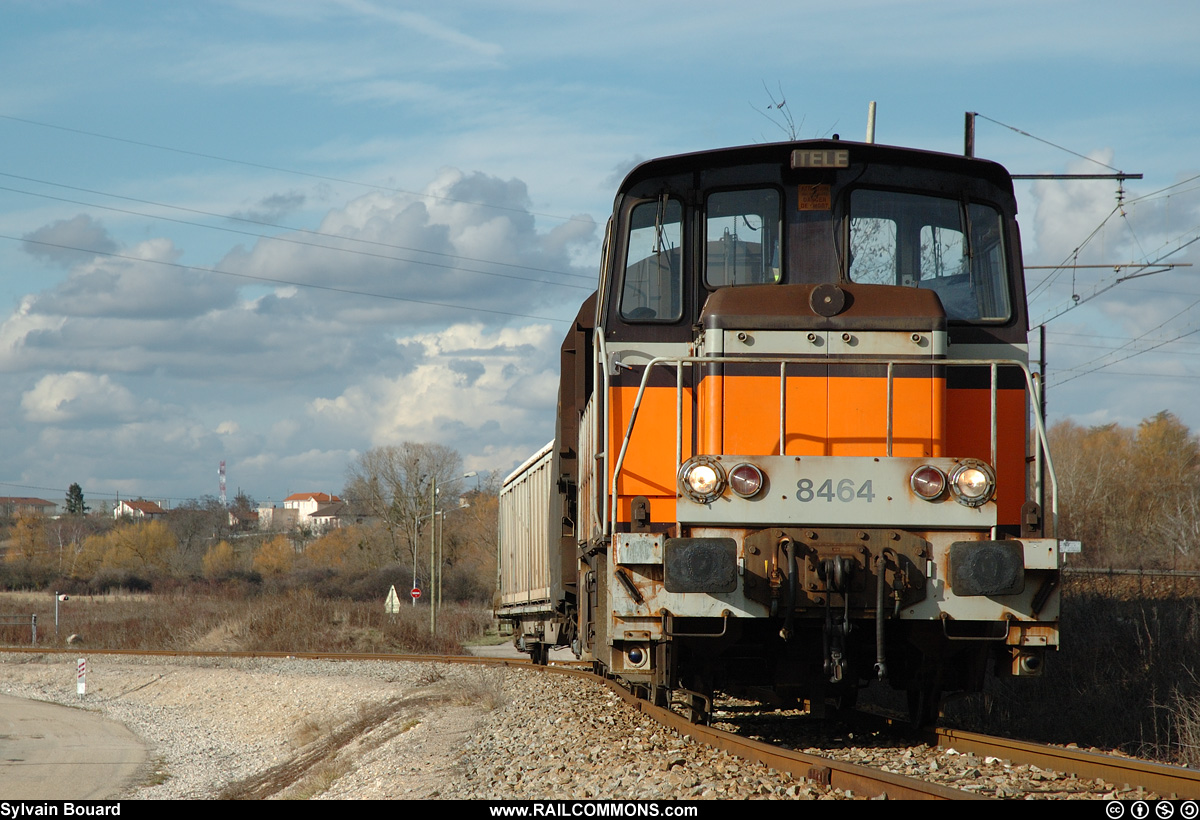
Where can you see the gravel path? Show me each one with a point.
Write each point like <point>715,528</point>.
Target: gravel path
<point>294,728</point>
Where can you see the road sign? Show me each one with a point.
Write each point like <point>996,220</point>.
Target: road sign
<point>392,605</point>
<point>416,593</point>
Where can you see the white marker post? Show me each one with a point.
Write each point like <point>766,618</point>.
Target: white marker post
<point>81,677</point>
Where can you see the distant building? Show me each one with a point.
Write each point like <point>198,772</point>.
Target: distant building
<point>277,518</point>
<point>138,510</point>
<point>317,511</point>
<point>328,516</point>
<point>14,505</point>
<point>308,503</point>
<point>243,519</point>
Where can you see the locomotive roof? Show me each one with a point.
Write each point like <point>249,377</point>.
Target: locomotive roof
<point>780,153</point>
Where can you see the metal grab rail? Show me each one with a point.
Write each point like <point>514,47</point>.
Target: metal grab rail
<point>1043,446</point>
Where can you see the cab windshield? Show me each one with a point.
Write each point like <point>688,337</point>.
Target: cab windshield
<point>953,248</point>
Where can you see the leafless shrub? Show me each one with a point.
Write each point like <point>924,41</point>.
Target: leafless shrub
<point>1184,713</point>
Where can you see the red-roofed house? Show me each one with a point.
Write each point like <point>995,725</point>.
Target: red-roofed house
<point>308,503</point>
<point>138,509</point>
<point>11,505</point>
<point>316,511</point>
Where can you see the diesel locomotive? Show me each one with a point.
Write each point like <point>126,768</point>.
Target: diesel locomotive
<point>798,446</point>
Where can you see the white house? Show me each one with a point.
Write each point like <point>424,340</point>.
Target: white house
<point>138,509</point>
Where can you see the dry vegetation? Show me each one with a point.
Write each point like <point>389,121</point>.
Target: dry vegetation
<point>297,620</point>
<point>1125,677</point>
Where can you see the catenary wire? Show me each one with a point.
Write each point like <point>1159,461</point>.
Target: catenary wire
<point>278,169</point>
<point>308,244</point>
<point>275,281</point>
<point>247,220</point>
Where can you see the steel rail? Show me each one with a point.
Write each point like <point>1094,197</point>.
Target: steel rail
<point>1161,778</point>
<point>835,773</point>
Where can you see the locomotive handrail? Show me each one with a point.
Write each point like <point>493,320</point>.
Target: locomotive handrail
<point>600,435</point>
<point>679,361</point>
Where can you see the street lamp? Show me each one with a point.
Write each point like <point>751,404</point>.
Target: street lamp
<point>435,551</point>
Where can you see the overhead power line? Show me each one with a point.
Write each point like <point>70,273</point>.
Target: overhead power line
<point>313,244</point>
<point>293,171</point>
<point>275,281</point>
<point>247,220</point>
<point>1046,142</point>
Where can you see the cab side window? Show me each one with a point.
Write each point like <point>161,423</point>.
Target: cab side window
<point>652,290</point>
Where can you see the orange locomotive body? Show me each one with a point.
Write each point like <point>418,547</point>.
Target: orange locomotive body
<point>796,448</point>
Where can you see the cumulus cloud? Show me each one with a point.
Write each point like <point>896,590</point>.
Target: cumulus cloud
<point>466,380</point>
<point>66,241</point>
<point>69,397</point>
<point>409,325</point>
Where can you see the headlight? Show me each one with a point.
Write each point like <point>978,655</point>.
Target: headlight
<point>972,483</point>
<point>928,482</point>
<point>702,479</point>
<point>746,480</point>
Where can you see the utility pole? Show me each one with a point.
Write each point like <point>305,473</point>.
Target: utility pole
<point>432,550</point>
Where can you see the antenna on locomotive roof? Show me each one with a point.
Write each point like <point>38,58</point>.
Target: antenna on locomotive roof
<point>871,121</point>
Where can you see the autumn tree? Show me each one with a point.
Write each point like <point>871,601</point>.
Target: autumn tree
<point>27,540</point>
<point>1131,495</point>
<point>470,543</point>
<point>139,546</point>
<point>219,561</point>
<point>197,524</point>
<point>275,557</point>
<point>341,548</point>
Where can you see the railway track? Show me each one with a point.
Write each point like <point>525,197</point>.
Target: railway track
<point>1093,774</point>
<point>1157,778</point>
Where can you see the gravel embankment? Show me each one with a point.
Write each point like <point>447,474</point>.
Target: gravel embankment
<point>293,728</point>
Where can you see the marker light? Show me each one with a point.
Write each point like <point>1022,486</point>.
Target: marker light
<point>928,482</point>
<point>746,480</point>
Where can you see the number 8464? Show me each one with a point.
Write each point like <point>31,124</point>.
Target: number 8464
<point>846,490</point>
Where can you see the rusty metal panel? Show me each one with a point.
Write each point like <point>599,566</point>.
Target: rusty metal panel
<point>638,548</point>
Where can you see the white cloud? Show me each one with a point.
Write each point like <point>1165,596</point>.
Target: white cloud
<point>466,381</point>
<point>186,368</point>
<point>70,397</point>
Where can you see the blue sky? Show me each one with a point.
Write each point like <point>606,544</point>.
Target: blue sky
<point>278,234</point>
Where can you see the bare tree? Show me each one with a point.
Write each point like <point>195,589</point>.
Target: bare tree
<point>395,485</point>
